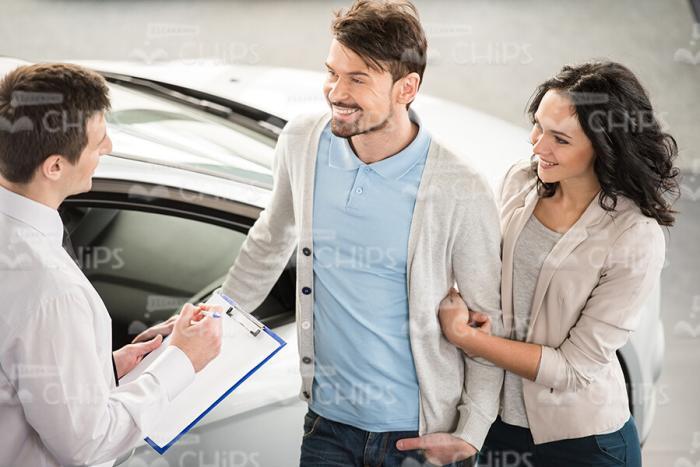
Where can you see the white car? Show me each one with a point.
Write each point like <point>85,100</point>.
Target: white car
<point>171,206</point>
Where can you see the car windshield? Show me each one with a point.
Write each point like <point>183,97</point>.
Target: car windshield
<point>158,130</point>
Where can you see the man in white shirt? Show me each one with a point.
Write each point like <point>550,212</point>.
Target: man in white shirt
<point>59,401</point>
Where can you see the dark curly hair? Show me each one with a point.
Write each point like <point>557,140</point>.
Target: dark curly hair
<point>633,155</point>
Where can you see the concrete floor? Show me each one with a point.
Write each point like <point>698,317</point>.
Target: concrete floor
<point>489,55</point>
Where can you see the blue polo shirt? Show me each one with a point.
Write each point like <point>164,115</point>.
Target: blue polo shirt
<point>364,375</point>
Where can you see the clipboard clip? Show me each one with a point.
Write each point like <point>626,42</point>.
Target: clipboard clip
<point>246,320</point>
<point>243,318</point>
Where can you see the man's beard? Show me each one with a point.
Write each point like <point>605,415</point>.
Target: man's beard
<point>350,129</point>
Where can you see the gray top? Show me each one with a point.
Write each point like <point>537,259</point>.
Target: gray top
<point>531,249</point>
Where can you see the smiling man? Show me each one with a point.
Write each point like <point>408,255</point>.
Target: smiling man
<point>385,220</point>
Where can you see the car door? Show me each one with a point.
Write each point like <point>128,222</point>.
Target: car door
<point>146,256</point>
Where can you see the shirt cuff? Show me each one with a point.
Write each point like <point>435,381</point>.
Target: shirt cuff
<point>473,426</point>
<point>114,370</point>
<point>173,370</point>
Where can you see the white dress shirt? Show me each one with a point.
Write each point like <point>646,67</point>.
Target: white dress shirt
<point>59,404</point>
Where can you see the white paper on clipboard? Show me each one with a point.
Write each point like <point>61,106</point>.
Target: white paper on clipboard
<point>246,346</point>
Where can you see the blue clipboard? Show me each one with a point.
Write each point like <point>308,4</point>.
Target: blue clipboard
<point>247,345</point>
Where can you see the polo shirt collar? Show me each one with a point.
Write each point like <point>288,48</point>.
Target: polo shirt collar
<point>341,155</point>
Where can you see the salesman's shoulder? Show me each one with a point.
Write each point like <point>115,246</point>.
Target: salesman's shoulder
<point>40,293</point>
<point>36,270</point>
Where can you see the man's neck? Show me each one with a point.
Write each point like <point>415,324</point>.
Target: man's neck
<point>382,144</point>
<point>34,192</point>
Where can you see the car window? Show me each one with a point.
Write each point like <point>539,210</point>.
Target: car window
<point>145,265</point>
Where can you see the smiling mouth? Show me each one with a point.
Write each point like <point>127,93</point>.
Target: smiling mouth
<point>547,164</point>
<point>344,110</point>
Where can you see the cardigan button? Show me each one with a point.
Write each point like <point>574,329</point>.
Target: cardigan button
<point>306,290</point>
<point>306,360</point>
<point>306,394</point>
<point>306,251</point>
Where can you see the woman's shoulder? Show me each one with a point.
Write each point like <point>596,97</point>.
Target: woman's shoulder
<point>628,233</point>
<point>519,180</point>
<point>632,222</point>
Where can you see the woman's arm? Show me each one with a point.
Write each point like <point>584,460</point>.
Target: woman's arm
<point>611,313</point>
<point>475,339</point>
<point>521,358</point>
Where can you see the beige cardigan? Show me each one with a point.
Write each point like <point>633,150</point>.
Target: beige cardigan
<point>587,301</point>
<point>454,236</point>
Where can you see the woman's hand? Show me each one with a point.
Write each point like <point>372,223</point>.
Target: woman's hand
<point>459,324</point>
<point>454,317</point>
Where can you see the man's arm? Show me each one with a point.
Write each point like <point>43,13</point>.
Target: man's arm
<point>270,242</point>
<point>64,387</point>
<point>476,264</point>
<point>477,269</point>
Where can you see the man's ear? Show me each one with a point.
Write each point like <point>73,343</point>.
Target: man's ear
<point>53,167</point>
<point>408,88</point>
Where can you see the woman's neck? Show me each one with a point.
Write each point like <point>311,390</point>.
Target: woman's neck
<point>577,194</point>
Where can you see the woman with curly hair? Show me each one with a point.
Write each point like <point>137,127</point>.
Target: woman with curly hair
<point>582,248</point>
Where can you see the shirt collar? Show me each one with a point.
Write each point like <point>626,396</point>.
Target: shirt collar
<point>341,155</point>
<point>36,215</point>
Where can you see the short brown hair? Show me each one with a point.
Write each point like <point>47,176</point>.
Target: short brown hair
<point>44,109</point>
<point>386,34</point>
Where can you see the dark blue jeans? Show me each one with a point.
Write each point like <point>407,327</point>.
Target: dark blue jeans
<point>512,446</point>
<point>327,444</point>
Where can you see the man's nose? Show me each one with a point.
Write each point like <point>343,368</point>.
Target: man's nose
<point>338,91</point>
<point>107,146</point>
